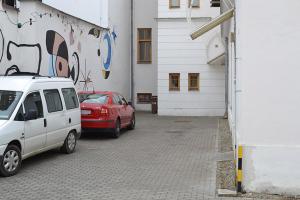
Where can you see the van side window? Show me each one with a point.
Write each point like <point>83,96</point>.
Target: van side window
<point>33,102</point>
<point>53,101</point>
<point>70,97</point>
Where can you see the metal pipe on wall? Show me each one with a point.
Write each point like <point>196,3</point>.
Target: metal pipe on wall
<point>131,52</point>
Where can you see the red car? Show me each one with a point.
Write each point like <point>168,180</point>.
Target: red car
<point>105,110</point>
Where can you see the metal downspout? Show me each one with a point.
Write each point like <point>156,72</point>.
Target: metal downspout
<point>131,53</point>
<point>226,78</point>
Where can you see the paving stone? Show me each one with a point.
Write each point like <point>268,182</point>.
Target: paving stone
<point>164,158</point>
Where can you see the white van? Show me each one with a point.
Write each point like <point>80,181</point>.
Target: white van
<point>36,114</point>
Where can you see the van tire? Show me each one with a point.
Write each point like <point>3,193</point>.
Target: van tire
<point>70,143</point>
<point>117,130</point>
<point>14,151</point>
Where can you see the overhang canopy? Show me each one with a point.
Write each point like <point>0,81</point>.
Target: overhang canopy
<point>212,24</point>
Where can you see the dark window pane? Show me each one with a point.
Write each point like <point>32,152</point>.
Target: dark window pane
<point>53,101</point>
<point>33,102</point>
<point>70,97</point>
<point>174,3</point>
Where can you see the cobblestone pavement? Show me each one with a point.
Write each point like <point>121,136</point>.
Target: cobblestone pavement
<point>164,158</point>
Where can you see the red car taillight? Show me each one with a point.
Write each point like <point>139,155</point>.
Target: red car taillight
<point>104,111</point>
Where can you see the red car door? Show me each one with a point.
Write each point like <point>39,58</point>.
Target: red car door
<point>126,109</point>
<point>119,109</point>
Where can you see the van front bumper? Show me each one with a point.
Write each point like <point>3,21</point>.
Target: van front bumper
<point>2,149</point>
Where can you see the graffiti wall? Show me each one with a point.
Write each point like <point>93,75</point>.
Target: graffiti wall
<point>43,41</point>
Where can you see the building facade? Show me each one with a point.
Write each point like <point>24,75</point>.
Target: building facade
<point>144,53</point>
<point>263,91</point>
<point>40,38</point>
<point>191,80</point>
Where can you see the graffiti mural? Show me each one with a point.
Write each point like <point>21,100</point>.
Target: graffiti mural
<point>86,79</point>
<point>105,51</point>
<point>59,57</point>
<point>23,47</point>
<point>1,45</point>
<point>95,32</point>
<point>107,60</point>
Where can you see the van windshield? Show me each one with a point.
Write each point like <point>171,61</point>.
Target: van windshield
<point>8,103</point>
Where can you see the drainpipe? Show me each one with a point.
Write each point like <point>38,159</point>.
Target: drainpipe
<point>226,78</point>
<point>131,52</point>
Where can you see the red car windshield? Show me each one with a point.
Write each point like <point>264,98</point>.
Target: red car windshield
<point>93,98</point>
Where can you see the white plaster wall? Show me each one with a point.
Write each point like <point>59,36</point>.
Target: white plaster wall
<point>8,31</point>
<point>93,11</point>
<point>145,75</point>
<point>177,53</point>
<point>76,35</point>
<point>268,101</point>
<point>204,11</point>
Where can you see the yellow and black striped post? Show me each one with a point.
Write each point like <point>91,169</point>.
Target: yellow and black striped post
<point>240,168</point>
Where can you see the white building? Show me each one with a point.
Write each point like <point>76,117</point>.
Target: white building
<point>191,78</point>
<point>91,45</point>
<point>264,91</point>
<point>144,53</point>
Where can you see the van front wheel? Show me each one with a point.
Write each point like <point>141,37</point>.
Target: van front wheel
<point>70,143</point>
<point>10,161</point>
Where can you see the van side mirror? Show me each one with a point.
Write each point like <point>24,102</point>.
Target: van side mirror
<point>31,115</point>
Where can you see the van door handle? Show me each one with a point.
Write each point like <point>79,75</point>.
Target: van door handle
<point>70,120</point>
<point>45,123</point>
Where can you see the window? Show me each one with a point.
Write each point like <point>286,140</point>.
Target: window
<point>96,98</point>
<point>195,3</point>
<point>53,101</point>
<point>70,97</point>
<point>8,103</point>
<point>116,100</point>
<point>174,3</point>
<point>20,114</point>
<point>194,82</point>
<point>33,102</point>
<point>123,100</point>
<point>10,2</point>
<point>144,46</point>
<point>144,98</point>
<point>174,82</point>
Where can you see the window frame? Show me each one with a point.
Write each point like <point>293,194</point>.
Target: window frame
<point>170,82</point>
<point>140,101</point>
<point>139,61</point>
<point>24,106</point>
<point>171,6</point>
<point>197,6</point>
<point>59,98</point>
<point>195,89</point>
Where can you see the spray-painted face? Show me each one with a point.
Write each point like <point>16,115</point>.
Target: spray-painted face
<point>59,59</point>
<point>57,48</point>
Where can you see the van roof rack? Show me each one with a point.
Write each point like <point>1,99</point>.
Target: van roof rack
<point>34,75</point>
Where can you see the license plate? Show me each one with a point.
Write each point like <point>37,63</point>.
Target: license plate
<point>86,112</point>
